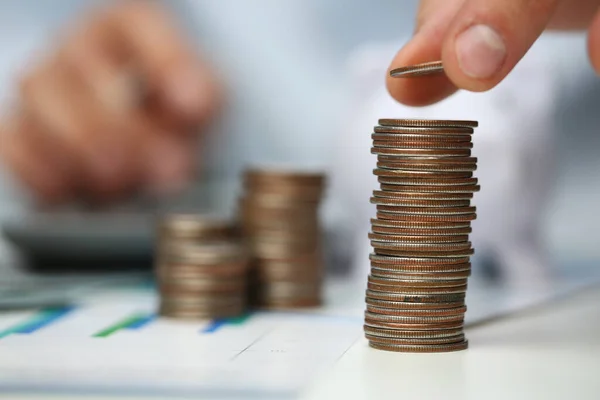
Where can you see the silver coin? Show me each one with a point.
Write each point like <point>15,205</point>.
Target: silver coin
<point>429,159</point>
<point>183,271</point>
<point>412,137</point>
<point>436,225</point>
<point>428,68</point>
<point>415,272</point>
<point>391,269</point>
<point>419,232</point>
<point>429,131</point>
<point>424,253</point>
<point>414,173</point>
<point>425,165</point>
<point>409,282</point>
<point>392,333</point>
<point>400,312</point>
<point>382,194</point>
<point>426,182</point>
<point>416,153</point>
<point>414,320</point>
<point>439,146</point>
<point>397,187</point>
<point>207,301</point>
<point>398,305</point>
<point>448,261</point>
<point>402,270</point>
<point>414,327</point>
<point>420,291</point>
<point>200,314</point>
<point>426,210</point>
<point>424,169</point>
<point>194,227</point>
<point>404,238</point>
<point>415,122</point>
<point>205,253</point>
<point>412,245</point>
<point>423,282</point>
<point>415,342</point>
<point>416,298</point>
<point>386,201</point>
<point>290,289</point>
<point>423,175</point>
<point>431,348</point>
<point>204,283</point>
<point>375,285</point>
<point>438,217</point>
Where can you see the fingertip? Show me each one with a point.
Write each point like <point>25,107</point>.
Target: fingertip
<point>594,43</point>
<point>183,90</point>
<point>169,163</point>
<point>475,57</point>
<point>31,164</point>
<point>190,92</point>
<point>109,169</point>
<point>487,39</point>
<point>418,91</point>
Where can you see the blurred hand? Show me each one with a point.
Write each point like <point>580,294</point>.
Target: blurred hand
<point>113,109</point>
<point>480,41</point>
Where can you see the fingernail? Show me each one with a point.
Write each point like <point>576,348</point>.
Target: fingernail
<point>480,51</point>
<point>184,91</point>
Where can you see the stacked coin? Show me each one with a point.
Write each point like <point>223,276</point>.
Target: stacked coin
<point>418,281</point>
<point>201,268</point>
<point>280,219</point>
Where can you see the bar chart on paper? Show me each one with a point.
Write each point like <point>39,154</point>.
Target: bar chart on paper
<point>112,343</point>
<point>124,348</point>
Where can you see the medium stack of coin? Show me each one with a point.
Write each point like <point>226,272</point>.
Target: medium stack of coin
<point>421,261</point>
<point>280,219</point>
<point>419,268</point>
<point>201,268</point>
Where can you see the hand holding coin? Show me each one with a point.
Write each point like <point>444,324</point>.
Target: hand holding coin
<point>481,41</point>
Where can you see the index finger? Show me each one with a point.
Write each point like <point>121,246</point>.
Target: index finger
<point>433,21</point>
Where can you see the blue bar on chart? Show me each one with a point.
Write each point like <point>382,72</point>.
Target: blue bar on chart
<point>39,321</point>
<point>217,324</point>
<point>142,322</point>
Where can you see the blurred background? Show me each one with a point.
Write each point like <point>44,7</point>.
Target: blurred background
<point>303,81</point>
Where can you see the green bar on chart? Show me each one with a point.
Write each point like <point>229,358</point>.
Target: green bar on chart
<point>123,324</point>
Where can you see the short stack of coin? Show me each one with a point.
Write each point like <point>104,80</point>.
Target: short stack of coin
<point>280,219</point>
<point>201,268</point>
<point>421,261</point>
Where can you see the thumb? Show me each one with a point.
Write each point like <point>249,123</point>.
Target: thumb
<point>488,38</point>
<point>479,42</point>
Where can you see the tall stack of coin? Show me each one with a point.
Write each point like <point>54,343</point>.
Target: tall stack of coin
<point>280,219</point>
<point>201,268</point>
<point>421,261</point>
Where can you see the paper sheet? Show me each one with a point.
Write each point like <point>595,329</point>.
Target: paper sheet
<point>111,342</point>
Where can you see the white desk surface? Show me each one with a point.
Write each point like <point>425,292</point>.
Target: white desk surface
<point>552,353</point>
<point>549,353</point>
